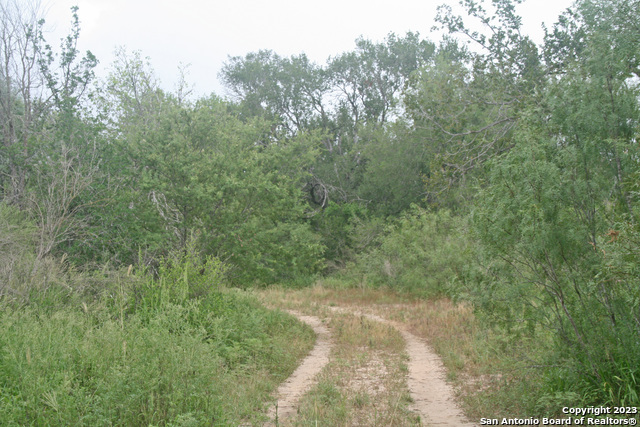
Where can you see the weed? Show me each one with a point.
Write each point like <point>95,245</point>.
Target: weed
<point>121,357</point>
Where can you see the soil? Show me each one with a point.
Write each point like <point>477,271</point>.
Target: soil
<point>433,398</point>
<point>290,392</point>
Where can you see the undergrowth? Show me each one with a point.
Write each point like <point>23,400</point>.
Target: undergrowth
<point>173,348</point>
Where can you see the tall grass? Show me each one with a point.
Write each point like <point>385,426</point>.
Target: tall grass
<point>168,347</point>
<point>186,363</point>
<point>79,368</point>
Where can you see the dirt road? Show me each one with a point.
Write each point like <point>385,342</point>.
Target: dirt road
<point>432,398</point>
<point>290,392</point>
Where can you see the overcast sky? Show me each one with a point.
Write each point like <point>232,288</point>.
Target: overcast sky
<point>203,33</point>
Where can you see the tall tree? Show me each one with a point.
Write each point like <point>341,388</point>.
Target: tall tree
<point>467,102</point>
<point>592,52</point>
<point>292,90</point>
<point>353,91</point>
<point>368,81</point>
<point>551,211</point>
<point>21,94</point>
<point>49,152</point>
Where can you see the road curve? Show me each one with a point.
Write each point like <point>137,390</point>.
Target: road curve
<point>433,398</point>
<point>290,392</point>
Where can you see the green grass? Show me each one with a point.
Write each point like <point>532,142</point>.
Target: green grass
<point>209,361</point>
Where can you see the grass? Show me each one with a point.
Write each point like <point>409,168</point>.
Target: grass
<point>494,376</point>
<point>115,358</point>
<point>182,365</point>
<point>364,382</point>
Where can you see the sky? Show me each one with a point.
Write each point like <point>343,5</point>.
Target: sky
<point>202,34</point>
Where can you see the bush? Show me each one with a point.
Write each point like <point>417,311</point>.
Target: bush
<point>422,253</point>
<point>212,360</point>
<point>25,277</point>
<point>163,345</point>
<point>548,263</point>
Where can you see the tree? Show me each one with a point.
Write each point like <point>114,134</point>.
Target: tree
<point>466,102</point>
<point>556,214</point>
<point>49,150</point>
<point>347,99</point>
<point>368,81</point>
<point>291,90</point>
<point>206,172</point>
<point>593,54</point>
<point>394,165</point>
<point>22,89</point>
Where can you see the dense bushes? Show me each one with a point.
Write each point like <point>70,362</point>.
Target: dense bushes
<point>551,271</point>
<point>24,275</point>
<point>532,272</point>
<point>422,252</point>
<point>166,346</point>
<point>78,367</point>
<point>534,149</point>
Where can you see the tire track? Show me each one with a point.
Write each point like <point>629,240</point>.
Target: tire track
<point>433,398</point>
<point>290,392</point>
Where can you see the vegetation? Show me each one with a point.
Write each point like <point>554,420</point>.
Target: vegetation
<point>211,361</point>
<point>136,347</point>
<point>500,175</point>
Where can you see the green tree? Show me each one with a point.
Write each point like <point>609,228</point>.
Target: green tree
<point>204,170</point>
<point>292,90</point>
<point>353,91</point>
<point>466,103</point>
<point>369,79</point>
<point>49,158</point>
<point>541,221</point>
<point>551,210</point>
<point>395,164</point>
<point>596,98</point>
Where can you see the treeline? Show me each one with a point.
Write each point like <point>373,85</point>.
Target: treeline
<point>498,172</point>
<point>125,212</point>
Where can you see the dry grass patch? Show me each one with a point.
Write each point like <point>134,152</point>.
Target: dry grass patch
<point>451,330</point>
<point>469,352</point>
<point>318,296</point>
<point>481,366</point>
<point>365,381</point>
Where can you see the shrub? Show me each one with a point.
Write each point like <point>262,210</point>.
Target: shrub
<point>422,253</point>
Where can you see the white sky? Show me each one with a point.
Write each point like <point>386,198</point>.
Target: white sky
<point>203,33</point>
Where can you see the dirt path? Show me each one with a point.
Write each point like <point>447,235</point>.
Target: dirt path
<point>302,379</point>
<point>433,398</point>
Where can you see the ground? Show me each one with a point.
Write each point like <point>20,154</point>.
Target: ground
<point>372,365</point>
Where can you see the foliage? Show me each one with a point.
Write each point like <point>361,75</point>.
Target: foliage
<point>334,225</point>
<point>421,253</point>
<point>349,99</point>
<point>370,78</point>
<point>552,264</point>
<point>504,174</point>
<point>201,169</point>
<point>395,164</point>
<point>178,278</point>
<point>25,277</point>
<point>17,244</point>
<point>188,350</point>
<point>292,90</point>
<point>464,111</point>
